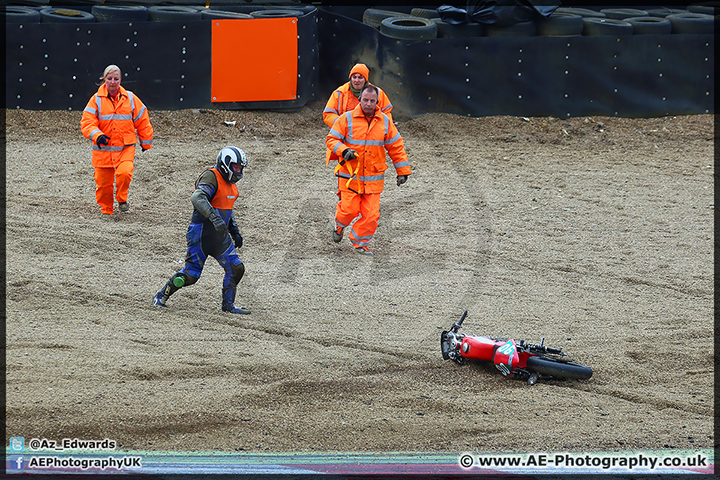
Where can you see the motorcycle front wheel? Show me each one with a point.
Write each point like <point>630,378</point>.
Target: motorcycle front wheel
<point>558,368</point>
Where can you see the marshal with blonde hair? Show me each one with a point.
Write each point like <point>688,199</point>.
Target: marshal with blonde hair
<point>109,69</point>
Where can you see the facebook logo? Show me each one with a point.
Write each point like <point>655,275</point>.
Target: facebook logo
<point>17,444</point>
<point>17,462</point>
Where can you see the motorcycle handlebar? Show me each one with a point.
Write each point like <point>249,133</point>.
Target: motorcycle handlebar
<point>541,348</point>
<point>458,324</point>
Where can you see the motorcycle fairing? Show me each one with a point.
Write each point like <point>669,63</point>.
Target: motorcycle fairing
<point>506,357</point>
<point>480,348</point>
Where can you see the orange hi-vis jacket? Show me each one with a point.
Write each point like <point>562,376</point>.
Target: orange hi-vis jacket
<point>118,121</point>
<point>371,139</point>
<point>343,100</point>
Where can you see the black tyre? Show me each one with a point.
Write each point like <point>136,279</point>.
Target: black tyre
<point>708,8</point>
<point>158,13</point>
<point>276,13</point>
<point>560,24</point>
<point>21,15</point>
<point>65,15</point>
<point>520,29</point>
<point>606,26</point>
<point>35,5</point>
<point>305,9</point>
<point>236,8</point>
<point>650,25</point>
<point>120,13</point>
<point>462,30</point>
<point>221,14</point>
<point>559,368</point>
<point>409,28</point>
<point>583,12</point>
<point>623,13</point>
<point>375,16</point>
<point>696,23</point>
<point>425,12</point>
<point>665,11</point>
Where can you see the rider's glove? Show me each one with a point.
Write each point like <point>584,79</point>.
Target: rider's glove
<point>237,238</point>
<point>218,223</point>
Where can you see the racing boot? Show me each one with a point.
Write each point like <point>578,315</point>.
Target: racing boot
<point>228,302</point>
<point>173,285</point>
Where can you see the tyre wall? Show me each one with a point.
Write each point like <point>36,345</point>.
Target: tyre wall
<point>169,64</point>
<point>561,76</point>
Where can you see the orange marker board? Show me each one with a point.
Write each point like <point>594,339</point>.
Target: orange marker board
<point>254,60</point>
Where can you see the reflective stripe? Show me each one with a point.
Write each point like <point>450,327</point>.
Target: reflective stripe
<point>386,119</point>
<point>110,149</point>
<point>146,142</point>
<point>404,163</point>
<point>114,117</point>
<point>392,140</point>
<point>137,117</point>
<point>360,241</point>
<point>371,178</point>
<point>90,110</point>
<point>336,134</point>
<point>363,178</point>
<point>341,225</point>
<point>331,110</point>
<point>92,134</point>
<point>349,123</point>
<point>132,102</point>
<point>387,107</point>
<point>378,143</point>
<point>340,137</point>
<point>357,237</point>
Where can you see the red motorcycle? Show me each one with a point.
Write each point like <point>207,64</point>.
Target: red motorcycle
<point>525,360</point>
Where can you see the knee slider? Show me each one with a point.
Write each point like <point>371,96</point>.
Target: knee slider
<point>238,271</point>
<point>183,280</point>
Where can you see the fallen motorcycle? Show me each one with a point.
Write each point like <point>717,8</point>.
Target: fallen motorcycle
<point>525,360</point>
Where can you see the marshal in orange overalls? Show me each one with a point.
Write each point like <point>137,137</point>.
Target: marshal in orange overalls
<point>117,119</point>
<point>361,181</point>
<point>343,99</point>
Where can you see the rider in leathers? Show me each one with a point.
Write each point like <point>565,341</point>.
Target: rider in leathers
<point>213,230</point>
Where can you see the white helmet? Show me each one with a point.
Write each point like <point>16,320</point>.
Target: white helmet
<point>228,157</point>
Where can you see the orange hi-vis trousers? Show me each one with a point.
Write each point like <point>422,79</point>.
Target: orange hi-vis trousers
<point>104,179</point>
<point>352,204</point>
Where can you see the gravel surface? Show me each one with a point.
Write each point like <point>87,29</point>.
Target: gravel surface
<point>595,233</point>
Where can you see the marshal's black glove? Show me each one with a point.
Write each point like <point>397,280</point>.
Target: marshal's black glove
<point>401,179</point>
<point>218,223</point>
<point>349,154</point>
<point>102,140</point>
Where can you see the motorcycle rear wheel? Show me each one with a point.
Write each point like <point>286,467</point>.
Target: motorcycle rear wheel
<point>558,368</point>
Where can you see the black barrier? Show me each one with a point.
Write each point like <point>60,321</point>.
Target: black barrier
<point>631,76</point>
<point>55,66</point>
<point>168,64</point>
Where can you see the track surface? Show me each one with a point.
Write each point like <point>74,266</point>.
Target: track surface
<point>595,233</point>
